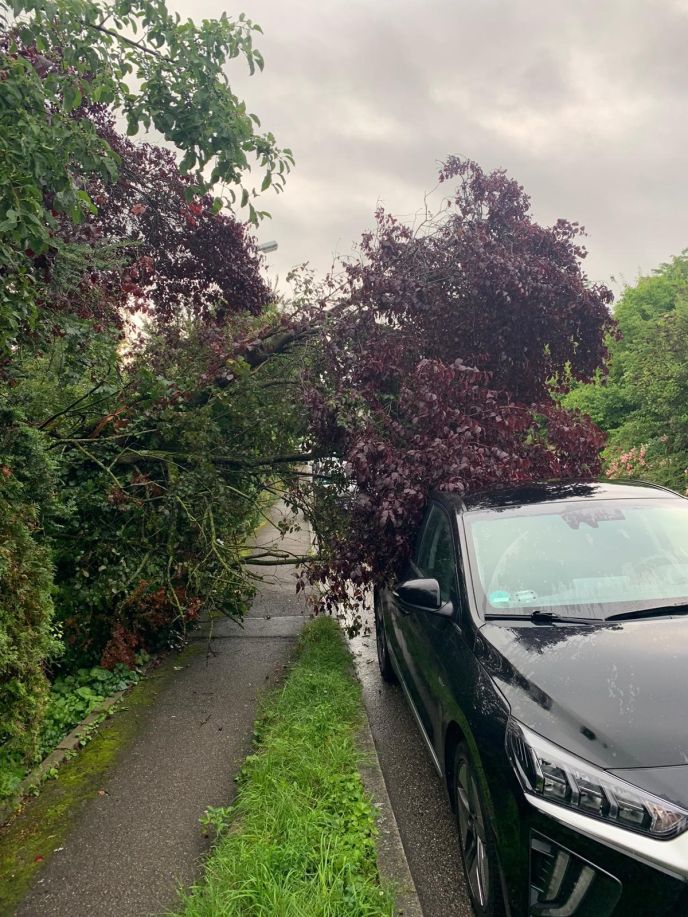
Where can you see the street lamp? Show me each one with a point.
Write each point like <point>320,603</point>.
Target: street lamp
<point>267,247</point>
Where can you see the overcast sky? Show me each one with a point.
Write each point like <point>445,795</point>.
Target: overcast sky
<point>585,102</point>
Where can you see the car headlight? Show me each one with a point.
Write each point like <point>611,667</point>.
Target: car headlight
<point>547,771</point>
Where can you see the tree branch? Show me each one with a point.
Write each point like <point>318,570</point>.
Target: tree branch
<point>70,406</point>
<point>127,41</point>
<point>133,458</point>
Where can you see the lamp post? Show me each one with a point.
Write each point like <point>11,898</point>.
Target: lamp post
<point>267,246</point>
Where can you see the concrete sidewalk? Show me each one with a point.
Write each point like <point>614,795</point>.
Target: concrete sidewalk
<point>133,846</point>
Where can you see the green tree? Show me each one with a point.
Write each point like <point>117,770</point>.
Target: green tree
<point>61,56</point>
<point>131,467</point>
<point>643,401</point>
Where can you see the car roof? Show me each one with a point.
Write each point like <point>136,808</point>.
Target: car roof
<point>555,491</point>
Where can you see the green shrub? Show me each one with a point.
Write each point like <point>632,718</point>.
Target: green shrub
<point>25,618</point>
<point>69,701</point>
<point>643,401</point>
<point>73,697</point>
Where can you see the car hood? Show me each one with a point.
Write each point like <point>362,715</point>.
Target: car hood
<point>614,694</point>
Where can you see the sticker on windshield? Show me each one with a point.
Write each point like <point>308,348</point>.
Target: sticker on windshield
<point>499,598</point>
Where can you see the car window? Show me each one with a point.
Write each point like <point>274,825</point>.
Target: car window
<point>435,557</point>
<point>606,557</point>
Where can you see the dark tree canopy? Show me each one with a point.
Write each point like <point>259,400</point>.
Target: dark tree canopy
<point>438,365</point>
<point>487,284</point>
<point>186,258</point>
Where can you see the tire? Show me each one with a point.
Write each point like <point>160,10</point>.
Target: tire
<point>476,838</point>
<point>383,659</point>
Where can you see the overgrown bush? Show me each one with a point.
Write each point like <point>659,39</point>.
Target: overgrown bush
<point>70,699</point>
<point>26,610</point>
<point>27,639</point>
<point>73,697</point>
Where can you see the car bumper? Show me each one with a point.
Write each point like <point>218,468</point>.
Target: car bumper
<point>572,873</point>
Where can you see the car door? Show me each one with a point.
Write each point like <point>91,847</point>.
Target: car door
<point>435,634</point>
<point>400,634</point>
<point>417,631</point>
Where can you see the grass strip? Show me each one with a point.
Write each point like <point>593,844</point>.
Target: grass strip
<point>300,839</point>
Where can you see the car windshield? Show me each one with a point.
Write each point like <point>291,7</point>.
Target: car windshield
<point>580,558</point>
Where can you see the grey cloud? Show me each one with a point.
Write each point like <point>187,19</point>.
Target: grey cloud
<point>584,102</point>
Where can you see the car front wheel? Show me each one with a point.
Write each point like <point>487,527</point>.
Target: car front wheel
<point>476,839</point>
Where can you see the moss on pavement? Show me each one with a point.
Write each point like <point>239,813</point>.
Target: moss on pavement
<point>40,827</point>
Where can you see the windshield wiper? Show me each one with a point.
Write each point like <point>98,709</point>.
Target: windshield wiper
<point>680,608</point>
<point>538,616</point>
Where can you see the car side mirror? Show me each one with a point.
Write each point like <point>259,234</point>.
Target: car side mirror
<point>420,593</point>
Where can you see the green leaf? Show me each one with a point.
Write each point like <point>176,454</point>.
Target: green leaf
<point>72,98</point>
<point>11,218</point>
<point>86,200</point>
<point>188,162</point>
<point>27,35</point>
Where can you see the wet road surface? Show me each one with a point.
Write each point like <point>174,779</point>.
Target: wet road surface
<point>417,793</point>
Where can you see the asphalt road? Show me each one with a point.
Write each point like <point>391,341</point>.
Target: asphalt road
<point>418,797</point>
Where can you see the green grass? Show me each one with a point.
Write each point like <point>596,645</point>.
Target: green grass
<point>300,839</point>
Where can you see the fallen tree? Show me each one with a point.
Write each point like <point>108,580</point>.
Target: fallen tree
<point>444,355</point>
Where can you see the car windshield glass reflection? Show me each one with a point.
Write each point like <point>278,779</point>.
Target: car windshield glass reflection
<point>580,558</point>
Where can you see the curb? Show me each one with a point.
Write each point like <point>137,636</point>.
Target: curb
<point>391,858</point>
<point>56,757</point>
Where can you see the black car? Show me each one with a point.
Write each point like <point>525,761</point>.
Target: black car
<point>540,635</point>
